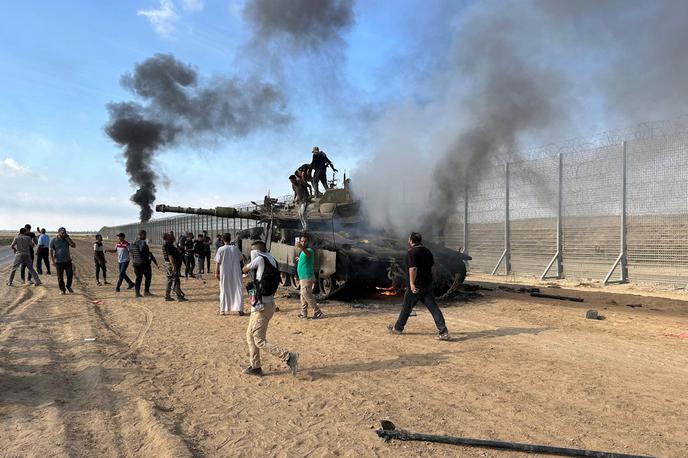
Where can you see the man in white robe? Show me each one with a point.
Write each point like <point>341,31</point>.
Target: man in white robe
<point>228,272</point>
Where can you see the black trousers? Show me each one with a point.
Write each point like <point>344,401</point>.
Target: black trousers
<point>207,262</point>
<point>62,268</point>
<point>23,268</point>
<point>201,264</point>
<point>173,282</point>
<point>189,264</point>
<point>42,255</point>
<point>99,268</point>
<point>426,297</point>
<point>141,271</point>
<point>319,176</point>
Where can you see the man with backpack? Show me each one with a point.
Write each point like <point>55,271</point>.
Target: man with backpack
<point>263,268</point>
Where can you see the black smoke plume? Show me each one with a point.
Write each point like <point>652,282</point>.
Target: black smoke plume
<point>177,108</point>
<point>302,24</point>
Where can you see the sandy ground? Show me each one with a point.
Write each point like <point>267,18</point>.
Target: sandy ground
<point>164,379</point>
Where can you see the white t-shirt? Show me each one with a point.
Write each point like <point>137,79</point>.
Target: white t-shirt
<point>258,264</point>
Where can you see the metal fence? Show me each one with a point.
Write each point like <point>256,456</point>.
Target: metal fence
<point>612,209</point>
<point>612,212</point>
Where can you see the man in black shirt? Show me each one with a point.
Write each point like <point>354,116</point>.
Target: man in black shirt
<point>189,260</point>
<point>319,168</point>
<point>207,251</point>
<point>303,173</point>
<point>142,257</point>
<point>199,250</point>
<point>420,262</point>
<point>172,262</point>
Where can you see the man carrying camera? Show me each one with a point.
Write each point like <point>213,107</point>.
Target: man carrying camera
<point>266,280</point>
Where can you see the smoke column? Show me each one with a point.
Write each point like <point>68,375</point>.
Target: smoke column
<point>177,108</point>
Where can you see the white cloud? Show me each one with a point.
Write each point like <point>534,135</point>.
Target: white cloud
<point>163,19</point>
<point>11,168</point>
<point>193,5</point>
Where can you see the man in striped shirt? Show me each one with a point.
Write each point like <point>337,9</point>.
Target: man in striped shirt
<point>122,250</point>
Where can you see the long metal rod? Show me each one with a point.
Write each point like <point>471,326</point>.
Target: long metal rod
<point>403,435</point>
<point>465,224</point>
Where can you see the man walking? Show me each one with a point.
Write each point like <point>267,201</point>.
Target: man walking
<point>21,245</point>
<point>189,261</point>
<point>62,259</point>
<point>32,236</point>
<point>199,251</point>
<point>99,259</point>
<point>122,250</point>
<point>142,257</point>
<point>228,273</point>
<point>43,253</point>
<point>319,166</point>
<point>266,282</point>
<point>172,261</point>
<point>420,262</point>
<point>304,269</point>
<point>207,243</point>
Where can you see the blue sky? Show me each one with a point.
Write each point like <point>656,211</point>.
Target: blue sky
<point>390,85</point>
<point>61,65</point>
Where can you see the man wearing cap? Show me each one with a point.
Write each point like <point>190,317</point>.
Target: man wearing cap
<point>62,259</point>
<point>21,245</point>
<point>319,168</point>
<point>122,250</point>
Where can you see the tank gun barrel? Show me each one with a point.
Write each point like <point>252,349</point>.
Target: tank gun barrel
<point>221,212</point>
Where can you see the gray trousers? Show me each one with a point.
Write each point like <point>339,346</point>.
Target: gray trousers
<point>23,259</point>
<point>303,209</point>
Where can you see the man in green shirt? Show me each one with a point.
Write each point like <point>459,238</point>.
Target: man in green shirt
<point>304,269</point>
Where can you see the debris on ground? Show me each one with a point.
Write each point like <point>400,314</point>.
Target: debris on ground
<point>521,290</point>
<point>560,298</point>
<point>593,315</point>
<point>634,305</point>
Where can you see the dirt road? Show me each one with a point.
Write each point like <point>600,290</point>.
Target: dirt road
<point>164,379</point>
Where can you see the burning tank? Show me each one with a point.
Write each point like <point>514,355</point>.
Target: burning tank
<point>348,253</point>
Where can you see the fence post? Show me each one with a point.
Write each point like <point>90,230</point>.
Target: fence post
<point>506,255</point>
<point>558,258</point>
<point>621,260</point>
<point>465,224</point>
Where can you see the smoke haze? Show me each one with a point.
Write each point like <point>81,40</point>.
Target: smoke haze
<point>519,75</point>
<point>178,108</point>
<point>300,24</point>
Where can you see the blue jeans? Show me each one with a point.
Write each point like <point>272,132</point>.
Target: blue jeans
<point>426,297</point>
<point>123,274</point>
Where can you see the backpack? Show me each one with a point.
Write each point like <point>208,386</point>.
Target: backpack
<point>268,284</point>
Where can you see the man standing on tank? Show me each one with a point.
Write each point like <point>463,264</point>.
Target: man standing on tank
<point>319,166</point>
<point>420,287</point>
<point>301,199</point>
